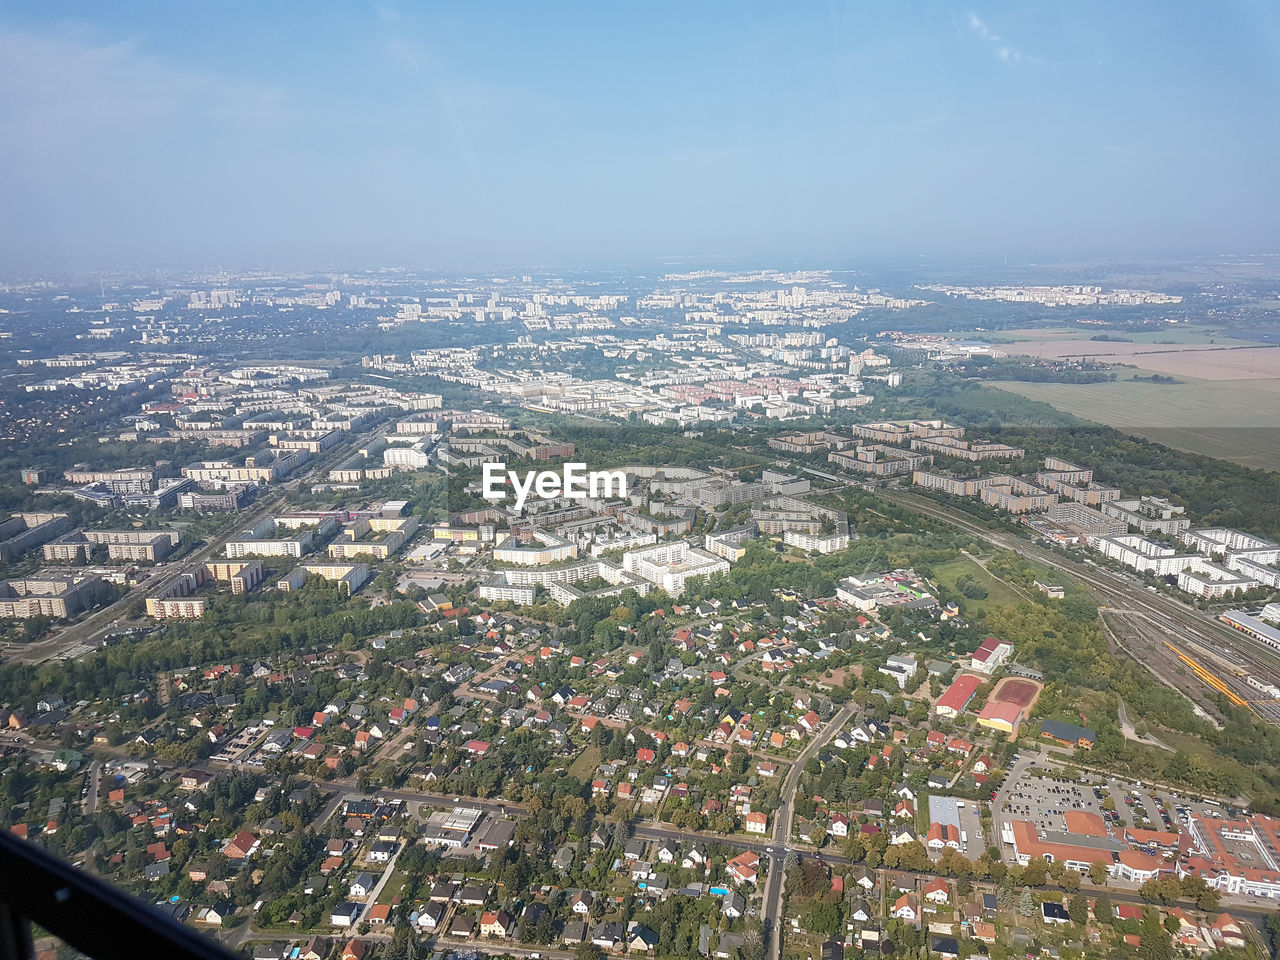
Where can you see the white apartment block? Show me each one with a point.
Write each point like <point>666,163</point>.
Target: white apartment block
<point>538,549</point>
<point>1209,579</point>
<point>1149,515</point>
<point>669,565</point>
<point>1143,555</point>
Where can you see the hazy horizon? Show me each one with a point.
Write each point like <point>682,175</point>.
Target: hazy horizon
<point>140,134</point>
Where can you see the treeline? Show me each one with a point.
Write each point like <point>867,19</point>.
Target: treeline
<point>990,368</point>
<point>125,667</point>
<point>1215,492</point>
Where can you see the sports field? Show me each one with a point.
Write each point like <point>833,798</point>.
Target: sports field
<point>1017,691</point>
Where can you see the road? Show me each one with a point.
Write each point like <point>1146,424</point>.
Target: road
<point>775,884</point>
<point>94,627</point>
<point>95,775</point>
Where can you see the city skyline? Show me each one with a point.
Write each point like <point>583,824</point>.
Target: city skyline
<point>387,133</point>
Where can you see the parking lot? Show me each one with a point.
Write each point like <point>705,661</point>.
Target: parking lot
<point>1027,795</point>
<point>1043,801</point>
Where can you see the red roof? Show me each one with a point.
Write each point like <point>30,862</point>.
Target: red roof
<point>959,693</point>
<point>1005,710</point>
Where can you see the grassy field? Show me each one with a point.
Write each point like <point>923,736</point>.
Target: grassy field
<point>584,765</point>
<point>999,593</point>
<point>1232,420</point>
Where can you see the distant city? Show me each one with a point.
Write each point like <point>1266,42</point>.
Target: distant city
<point>759,614</point>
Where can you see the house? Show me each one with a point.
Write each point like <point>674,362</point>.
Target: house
<point>1227,931</point>
<point>317,948</point>
<point>581,902</point>
<point>345,914</point>
<point>696,857</point>
<point>429,916</point>
<point>362,885</point>
<point>354,950</point>
<point>901,835</point>
<point>575,931</point>
<point>1054,912</point>
<point>839,825</point>
<point>380,913</point>
<point>606,936</point>
<point>241,847</point>
<point>473,895</point>
<point>983,930</point>
<point>863,877</point>
<point>937,891</point>
<point>860,911</point>
<point>745,867</point>
<point>904,908</point>
<point>496,923</point>
<point>640,939</point>
<point>463,926</point>
<point>756,822</point>
<point>156,871</point>
<point>443,891</point>
<point>832,950</point>
<point>948,948</point>
<point>733,905</point>
<point>382,851</point>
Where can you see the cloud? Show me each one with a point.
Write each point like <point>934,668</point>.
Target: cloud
<point>1005,51</point>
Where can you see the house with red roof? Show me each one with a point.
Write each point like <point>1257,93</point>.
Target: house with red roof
<point>242,846</point>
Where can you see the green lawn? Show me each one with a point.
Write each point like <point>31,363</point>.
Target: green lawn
<point>999,593</point>
<point>584,765</point>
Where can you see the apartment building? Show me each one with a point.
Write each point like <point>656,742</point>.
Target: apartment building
<point>1016,495</point>
<point>955,486</point>
<point>534,549</point>
<point>670,565</point>
<point>878,460</point>
<point>1149,515</point>
<point>966,450</point>
<point>26,531</point>
<point>132,480</point>
<point>46,596</point>
<point>350,577</point>
<point>1143,555</point>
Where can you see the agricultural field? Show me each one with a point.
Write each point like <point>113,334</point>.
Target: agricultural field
<point>1233,420</point>
<point>1202,361</point>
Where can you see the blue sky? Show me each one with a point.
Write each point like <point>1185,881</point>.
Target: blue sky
<point>500,134</point>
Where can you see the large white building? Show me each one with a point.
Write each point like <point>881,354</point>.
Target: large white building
<point>1209,579</point>
<point>1143,555</point>
<point>669,565</point>
<point>1148,515</point>
<point>538,548</point>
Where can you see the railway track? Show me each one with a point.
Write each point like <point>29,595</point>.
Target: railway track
<point>1165,615</point>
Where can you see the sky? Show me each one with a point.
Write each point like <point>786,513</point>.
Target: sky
<point>494,134</point>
